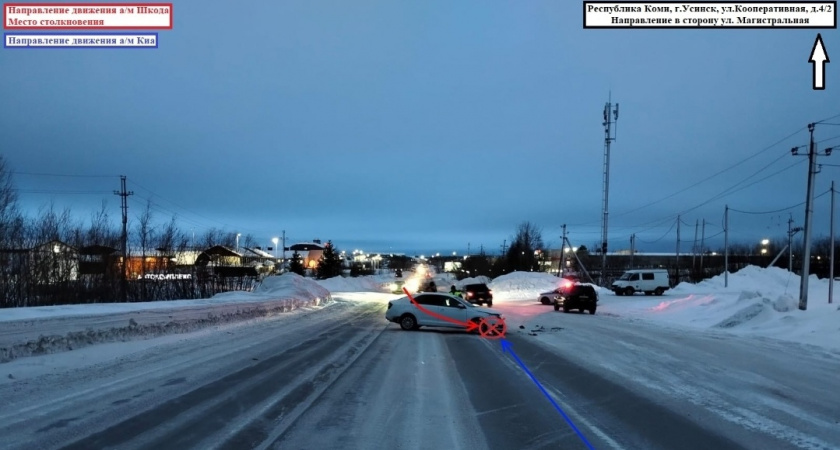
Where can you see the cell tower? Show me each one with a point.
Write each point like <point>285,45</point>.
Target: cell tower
<point>610,117</point>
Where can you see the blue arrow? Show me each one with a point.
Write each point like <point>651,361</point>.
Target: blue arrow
<point>508,347</point>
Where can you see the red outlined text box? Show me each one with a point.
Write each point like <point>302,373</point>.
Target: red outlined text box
<point>87,16</point>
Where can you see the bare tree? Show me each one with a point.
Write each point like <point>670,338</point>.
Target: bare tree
<point>144,235</point>
<point>520,255</point>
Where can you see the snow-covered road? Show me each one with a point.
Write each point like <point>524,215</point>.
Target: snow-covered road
<point>757,391</point>
<point>339,376</point>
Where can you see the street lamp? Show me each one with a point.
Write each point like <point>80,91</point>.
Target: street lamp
<point>237,241</point>
<point>275,240</point>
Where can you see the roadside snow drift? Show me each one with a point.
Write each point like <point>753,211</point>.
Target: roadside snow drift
<point>51,329</point>
<point>759,301</point>
<point>370,283</point>
<point>522,286</point>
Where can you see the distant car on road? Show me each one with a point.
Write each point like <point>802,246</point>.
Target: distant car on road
<point>582,297</point>
<point>428,285</point>
<point>478,294</point>
<point>547,298</point>
<point>649,281</point>
<point>410,317</point>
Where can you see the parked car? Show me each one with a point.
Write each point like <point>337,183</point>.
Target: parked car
<point>410,317</point>
<point>582,297</point>
<point>478,294</point>
<point>427,285</point>
<point>547,298</point>
<point>649,281</point>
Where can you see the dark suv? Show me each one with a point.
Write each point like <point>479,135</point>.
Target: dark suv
<point>582,297</point>
<point>478,294</point>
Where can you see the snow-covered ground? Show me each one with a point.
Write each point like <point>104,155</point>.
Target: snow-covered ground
<point>758,301</point>
<point>51,329</point>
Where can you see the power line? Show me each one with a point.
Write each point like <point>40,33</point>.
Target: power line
<point>59,191</point>
<point>709,177</point>
<point>14,172</point>
<point>663,236</point>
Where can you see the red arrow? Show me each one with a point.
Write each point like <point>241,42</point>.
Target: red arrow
<point>469,325</point>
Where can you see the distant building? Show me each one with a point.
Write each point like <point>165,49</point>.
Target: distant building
<point>54,262</point>
<point>310,252</point>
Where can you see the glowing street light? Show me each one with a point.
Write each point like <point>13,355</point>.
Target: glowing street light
<point>275,240</point>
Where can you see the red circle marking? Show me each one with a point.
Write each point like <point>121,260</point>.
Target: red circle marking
<point>492,327</point>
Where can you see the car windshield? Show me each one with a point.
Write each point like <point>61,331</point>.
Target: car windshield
<point>626,276</point>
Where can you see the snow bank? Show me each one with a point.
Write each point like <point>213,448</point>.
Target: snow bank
<point>42,330</point>
<point>355,284</point>
<point>522,286</point>
<point>759,301</point>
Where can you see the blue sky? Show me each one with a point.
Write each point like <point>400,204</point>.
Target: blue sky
<point>422,125</point>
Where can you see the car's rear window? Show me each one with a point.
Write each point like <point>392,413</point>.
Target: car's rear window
<point>476,287</point>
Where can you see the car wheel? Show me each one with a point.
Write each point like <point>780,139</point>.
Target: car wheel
<point>556,306</point>
<point>408,322</point>
<point>659,291</point>
<point>592,309</point>
<point>544,300</point>
<point>629,291</point>
<point>566,308</point>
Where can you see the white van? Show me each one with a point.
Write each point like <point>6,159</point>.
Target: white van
<point>649,281</point>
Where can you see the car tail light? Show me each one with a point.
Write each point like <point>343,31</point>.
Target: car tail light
<point>469,294</point>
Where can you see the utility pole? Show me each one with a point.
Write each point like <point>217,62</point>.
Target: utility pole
<point>632,249</point>
<point>283,261</point>
<point>123,193</point>
<point>831,257</point>
<point>726,247</point>
<point>468,249</point>
<point>504,247</point>
<point>694,247</point>
<point>809,210</point>
<point>702,244</point>
<point>678,249</point>
<point>609,136</point>
<point>791,233</point>
<point>563,253</point>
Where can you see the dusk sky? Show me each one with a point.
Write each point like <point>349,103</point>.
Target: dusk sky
<point>422,126</point>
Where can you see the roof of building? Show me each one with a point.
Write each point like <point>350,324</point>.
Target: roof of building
<point>306,246</point>
<point>255,252</point>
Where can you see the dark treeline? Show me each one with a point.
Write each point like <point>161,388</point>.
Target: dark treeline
<point>52,258</point>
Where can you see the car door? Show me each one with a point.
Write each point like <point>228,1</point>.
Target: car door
<point>634,281</point>
<point>455,310</point>
<point>431,303</point>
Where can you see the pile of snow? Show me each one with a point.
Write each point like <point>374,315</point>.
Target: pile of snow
<point>759,301</point>
<point>523,286</point>
<point>46,329</point>
<point>355,284</point>
<point>473,280</point>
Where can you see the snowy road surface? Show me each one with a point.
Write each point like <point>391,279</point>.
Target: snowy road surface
<point>341,377</point>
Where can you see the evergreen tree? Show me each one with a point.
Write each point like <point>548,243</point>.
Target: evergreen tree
<point>330,263</point>
<point>296,264</point>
